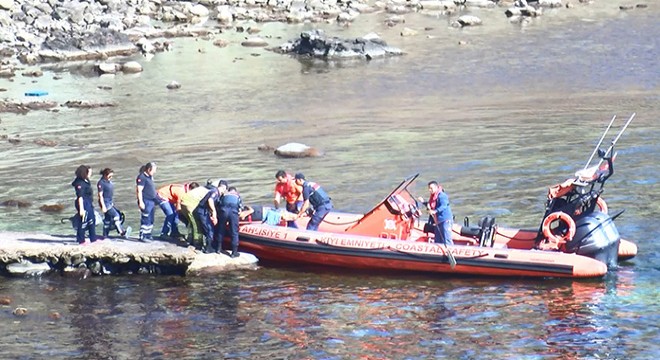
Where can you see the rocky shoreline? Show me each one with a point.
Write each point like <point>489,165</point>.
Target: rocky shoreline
<point>34,31</point>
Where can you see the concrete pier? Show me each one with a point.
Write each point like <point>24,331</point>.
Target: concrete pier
<point>33,253</point>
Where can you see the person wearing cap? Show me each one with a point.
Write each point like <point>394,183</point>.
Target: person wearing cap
<point>440,215</point>
<point>315,197</point>
<point>207,215</point>
<point>286,188</point>
<point>230,207</point>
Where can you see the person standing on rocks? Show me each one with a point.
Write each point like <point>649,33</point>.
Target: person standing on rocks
<point>230,206</point>
<point>112,216</point>
<point>147,199</point>
<point>85,218</point>
<point>286,188</point>
<point>207,215</point>
<point>317,198</point>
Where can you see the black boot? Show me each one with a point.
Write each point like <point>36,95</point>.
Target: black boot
<point>234,252</point>
<point>209,246</point>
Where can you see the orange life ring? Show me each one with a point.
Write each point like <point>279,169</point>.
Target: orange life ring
<point>602,206</point>
<point>562,216</point>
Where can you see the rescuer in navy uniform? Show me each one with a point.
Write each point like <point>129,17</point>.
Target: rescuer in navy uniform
<point>314,195</point>
<point>207,215</point>
<point>85,218</point>
<point>230,206</point>
<point>147,199</point>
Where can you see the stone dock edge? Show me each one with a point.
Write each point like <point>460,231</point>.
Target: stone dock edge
<point>26,254</point>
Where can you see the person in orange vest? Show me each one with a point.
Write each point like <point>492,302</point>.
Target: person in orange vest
<point>287,188</point>
<point>173,194</point>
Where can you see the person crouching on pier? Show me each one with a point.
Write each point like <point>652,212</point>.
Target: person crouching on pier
<point>112,216</point>
<point>173,193</point>
<point>85,218</point>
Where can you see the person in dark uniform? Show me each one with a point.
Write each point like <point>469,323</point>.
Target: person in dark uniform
<point>85,218</point>
<point>317,198</point>
<point>147,199</point>
<point>207,215</point>
<point>230,207</point>
<point>440,215</point>
<point>112,216</point>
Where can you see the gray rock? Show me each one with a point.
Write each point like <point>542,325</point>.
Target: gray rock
<point>108,68</point>
<point>317,45</point>
<point>7,5</point>
<point>173,85</point>
<point>28,268</point>
<point>254,41</point>
<point>466,20</point>
<point>131,67</point>
<point>296,150</point>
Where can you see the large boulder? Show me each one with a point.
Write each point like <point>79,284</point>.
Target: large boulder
<point>296,150</point>
<point>316,44</point>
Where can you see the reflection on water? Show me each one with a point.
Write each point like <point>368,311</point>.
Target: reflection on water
<point>288,313</point>
<point>495,121</point>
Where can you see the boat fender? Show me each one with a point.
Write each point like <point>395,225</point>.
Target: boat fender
<point>602,205</point>
<point>568,221</point>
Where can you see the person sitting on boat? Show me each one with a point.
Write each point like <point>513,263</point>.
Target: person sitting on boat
<point>286,188</point>
<point>266,214</point>
<point>112,215</point>
<point>189,202</point>
<point>206,214</point>
<point>173,193</point>
<point>317,198</point>
<point>230,206</point>
<point>440,215</point>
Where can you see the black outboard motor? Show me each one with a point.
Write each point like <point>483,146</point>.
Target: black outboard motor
<point>597,237</point>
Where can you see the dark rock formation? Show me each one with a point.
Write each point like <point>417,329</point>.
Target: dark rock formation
<point>317,45</point>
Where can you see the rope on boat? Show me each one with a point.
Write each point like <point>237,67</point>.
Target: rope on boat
<point>347,223</point>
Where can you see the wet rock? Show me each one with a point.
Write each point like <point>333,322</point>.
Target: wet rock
<point>252,30</point>
<point>5,300</point>
<point>52,208</point>
<point>466,20</point>
<point>131,67</point>
<point>408,32</point>
<point>33,73</point>
<point>44,142</point>
<point>108,68</point>
<point>550,3</point>
<point>54,315</point>
<point>14,141</point>
<point>104,87</point>
<point>61,45</point>
<point>173,85</point>
<point>641,6</point>
<point>316,44</point>
<point>77,104</point>
<point>20,311</point>
<point>296,150</point>
<point>221,43</point>
<point>79,273</point>
<point>28,268</point>
<point>626,7</point>
<point>15,203</point>
<point>254,41</point>
<point>265,147</point>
